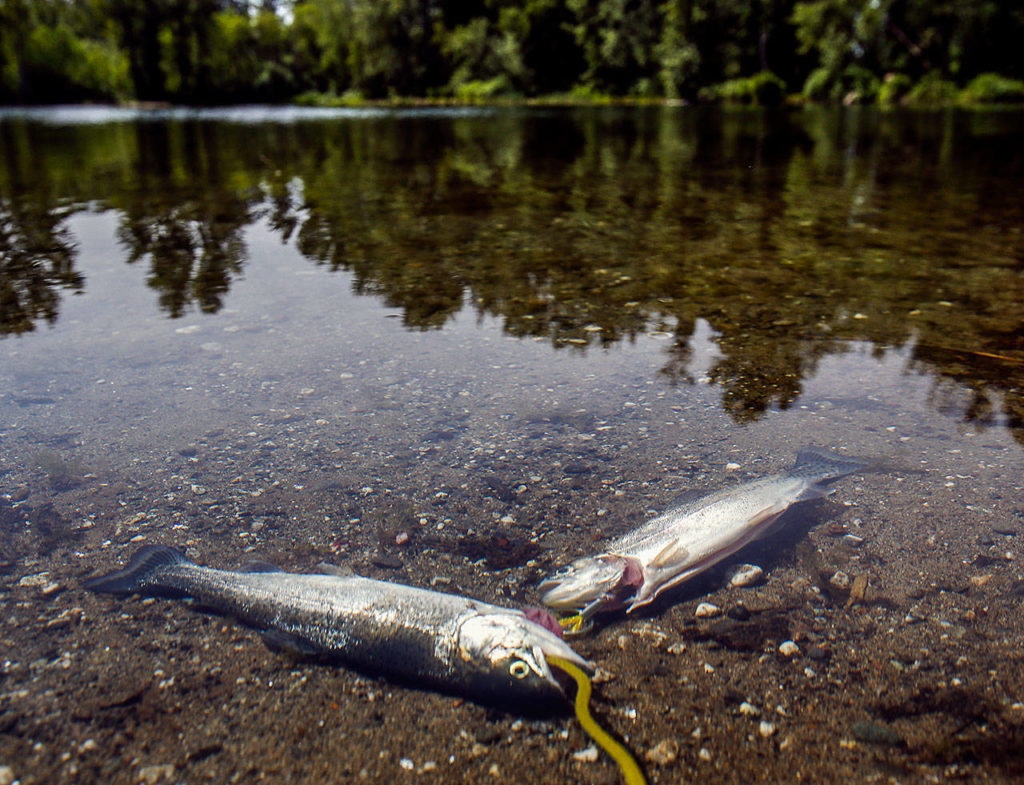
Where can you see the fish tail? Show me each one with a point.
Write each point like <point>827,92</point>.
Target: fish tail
<point>822,465</point>
<point>142,574</point>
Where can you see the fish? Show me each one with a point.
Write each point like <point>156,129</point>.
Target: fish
<point>420,637</point>
<point>688,538</point>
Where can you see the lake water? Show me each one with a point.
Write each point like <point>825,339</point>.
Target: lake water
<point>504,334</point>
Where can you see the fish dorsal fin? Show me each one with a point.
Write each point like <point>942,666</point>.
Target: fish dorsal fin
<point>326,568</point>
<point>672,555</point>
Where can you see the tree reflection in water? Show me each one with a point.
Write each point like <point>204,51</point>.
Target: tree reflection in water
<point>791,234</point>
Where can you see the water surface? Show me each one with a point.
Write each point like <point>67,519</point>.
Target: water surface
<point>509,333</point>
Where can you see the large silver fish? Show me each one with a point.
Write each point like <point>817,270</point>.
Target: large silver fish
<point>688,538</point>
<point>419,637</point>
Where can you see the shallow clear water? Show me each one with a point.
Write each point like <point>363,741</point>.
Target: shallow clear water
<point>507,333</point>
<point>169,274</point>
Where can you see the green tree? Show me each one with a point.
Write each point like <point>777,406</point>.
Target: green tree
<point>618,40</point>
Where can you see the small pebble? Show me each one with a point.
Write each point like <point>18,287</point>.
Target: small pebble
<point>151,775</point>
<point>588,755</point>
<point>873,733</point>
<point>663,753</point>
<point>676,648</point>
<point>738,612</point>
<point>401,538</point>
<point>819,653</point>
<point>707,611</point>
<point>789,649</point>
<point>731,467</point>
<point>749,709</point>
<point>840,580</point>
<point>39,579</point>
<point>766,729</point>
<point>407,764</point>
<point>704,754</point>
<point>853,540</point>
<point>6,775</point>
<point>745,575</point>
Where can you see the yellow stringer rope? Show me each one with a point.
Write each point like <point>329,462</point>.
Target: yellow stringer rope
<point>631,772</point>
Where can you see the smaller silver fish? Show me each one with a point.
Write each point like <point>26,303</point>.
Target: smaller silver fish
<point>420,637</point>
<point>688,538</point>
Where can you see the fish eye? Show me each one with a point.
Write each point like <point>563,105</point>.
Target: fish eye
<point>519,669</point>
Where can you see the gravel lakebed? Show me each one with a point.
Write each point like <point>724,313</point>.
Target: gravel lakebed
<point>877,639</point>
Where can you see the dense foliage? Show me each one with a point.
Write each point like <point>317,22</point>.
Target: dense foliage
<point>752,51</point>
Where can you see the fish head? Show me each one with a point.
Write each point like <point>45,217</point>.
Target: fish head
<point>583,582</point>
<point>505,657</point>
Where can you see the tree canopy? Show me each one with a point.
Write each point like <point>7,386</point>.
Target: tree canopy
<point>228,51</point>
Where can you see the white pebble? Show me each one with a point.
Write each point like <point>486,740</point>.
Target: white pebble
<point>766,729</point>
<point>6,775</point>
<point>789,649</point>
<point>588,755</point>
<point>707,611</point>
<point>407,764</point>
<point>745,575</point>
<point>704,754</point>
<point>676,648</point>
<point>749,709</point>
<point>840,580</point>
<point>731,467</point>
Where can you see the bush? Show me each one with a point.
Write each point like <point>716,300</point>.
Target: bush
<point>333,100</point>
<point>588,94</point>
<point>894,89</point>
<point>761,89</point>
<point>932,90</point>
<point>480,90</point>
<point>993,89</point>
<point>853,85</point>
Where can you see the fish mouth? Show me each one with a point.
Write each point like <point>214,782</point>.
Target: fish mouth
<point>556,677</point>
<point>562,598</point>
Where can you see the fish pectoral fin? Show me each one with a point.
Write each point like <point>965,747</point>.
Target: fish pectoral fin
<point>286,643</point>
<point>672,555</point>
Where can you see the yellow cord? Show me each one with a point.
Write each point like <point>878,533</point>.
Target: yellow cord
<point>631,772</point>
<point>575,624</point>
